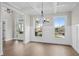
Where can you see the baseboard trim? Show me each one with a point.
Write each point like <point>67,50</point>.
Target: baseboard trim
<point>1,53</point>
<point>8,40</point>
<point>26,42</point>
<point>75,49</point>
<point>51,43</point>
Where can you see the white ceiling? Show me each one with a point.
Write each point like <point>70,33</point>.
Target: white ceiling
<point>34,8</point>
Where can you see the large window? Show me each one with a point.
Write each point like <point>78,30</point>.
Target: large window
<point>59,23</point>
<point>39,22</point>
<point>38,27</point>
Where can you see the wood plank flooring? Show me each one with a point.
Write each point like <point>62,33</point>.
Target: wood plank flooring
<point>18,48</point>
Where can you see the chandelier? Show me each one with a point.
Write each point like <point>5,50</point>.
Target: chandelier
<point>42,19</point>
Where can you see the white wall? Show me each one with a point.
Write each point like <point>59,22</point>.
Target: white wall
<point>46,38</point>
<point>27,28</point>
<point>75,37</point>
<point>7,18</point>
<point>11,22</point>
<point>75,28</point>
<point>75,16</point>
<point>1,52</point>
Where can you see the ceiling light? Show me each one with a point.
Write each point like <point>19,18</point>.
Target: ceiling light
<point>42,19</point>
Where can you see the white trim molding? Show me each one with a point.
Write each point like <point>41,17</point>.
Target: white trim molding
<point>1,53</point>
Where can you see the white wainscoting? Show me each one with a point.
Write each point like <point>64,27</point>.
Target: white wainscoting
<point>75,37</point>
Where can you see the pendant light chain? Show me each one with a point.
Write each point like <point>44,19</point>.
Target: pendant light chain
<point>42,9</point>
<point>42,13</point>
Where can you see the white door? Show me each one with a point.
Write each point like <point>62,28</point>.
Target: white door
<point>56,30</point>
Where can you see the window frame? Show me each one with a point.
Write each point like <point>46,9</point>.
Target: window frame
<point>65,26</point>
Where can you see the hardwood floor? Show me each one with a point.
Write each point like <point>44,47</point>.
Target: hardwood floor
<point>17,48</point>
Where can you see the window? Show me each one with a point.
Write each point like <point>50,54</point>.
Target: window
<point>21,28</point>
<point>59,23</point>
<point>38,27</point>
<point>47,19</point>
<point>39,22</point>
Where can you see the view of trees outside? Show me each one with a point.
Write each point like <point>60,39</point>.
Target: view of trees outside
<point>38,25</point>
<point>59,23</point>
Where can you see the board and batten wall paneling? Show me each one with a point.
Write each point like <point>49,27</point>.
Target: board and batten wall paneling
<point>7,18</point>
<point>1,52</point>
<point>75,28</point>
